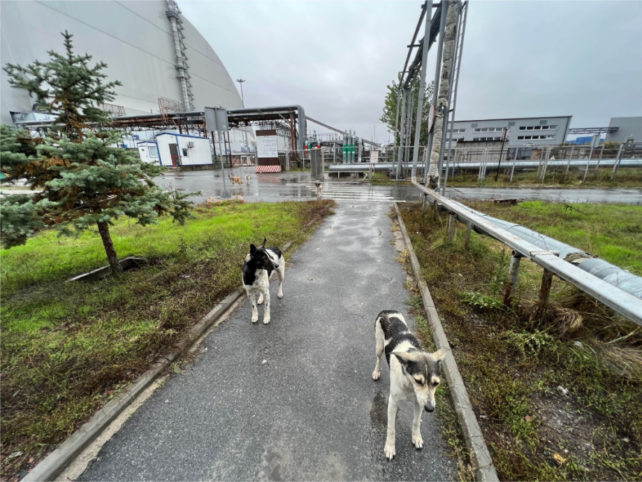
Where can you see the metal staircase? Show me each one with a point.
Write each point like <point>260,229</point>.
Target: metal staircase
<point>182,68</point>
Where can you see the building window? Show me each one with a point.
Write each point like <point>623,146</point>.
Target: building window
<point>153,151</point>
<point>521,128</point>
<point>520,138</point>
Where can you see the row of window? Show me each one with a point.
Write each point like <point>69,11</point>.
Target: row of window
<point>488,129</point>
<point>486,139</point>
<point>530,128</point>
<point>501,129</point>
<point>534,137</point>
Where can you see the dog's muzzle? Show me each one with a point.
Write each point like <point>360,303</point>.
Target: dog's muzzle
<point>429,407</point>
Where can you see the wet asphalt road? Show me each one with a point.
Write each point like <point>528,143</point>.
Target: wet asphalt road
<point>292,400</point>
<point>298,186</point>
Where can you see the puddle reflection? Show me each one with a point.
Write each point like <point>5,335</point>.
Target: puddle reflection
<point>214,185</point>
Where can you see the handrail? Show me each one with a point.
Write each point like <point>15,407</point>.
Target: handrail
<point>613,297</point>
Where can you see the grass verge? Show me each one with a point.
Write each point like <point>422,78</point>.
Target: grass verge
<point>556,390</point>
<point>609,231</point>
<point>67,348</point>
<point>555,177</point>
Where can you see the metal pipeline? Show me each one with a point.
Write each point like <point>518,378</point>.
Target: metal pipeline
<point>598,283</point>
<point>621,278</point>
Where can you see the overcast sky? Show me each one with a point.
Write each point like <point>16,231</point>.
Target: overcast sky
<point>521,58</point>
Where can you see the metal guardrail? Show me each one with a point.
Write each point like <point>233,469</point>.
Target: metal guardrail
<point>622,302</point>
<point>506,164</point>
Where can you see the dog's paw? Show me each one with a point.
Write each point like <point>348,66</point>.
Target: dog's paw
<point>279,295</point>
<point>376,374</point>
<point>266,321</point>
<point>389,450</point>
<point>260,300</point>
<point>255,318</point>
<point>417,441</point>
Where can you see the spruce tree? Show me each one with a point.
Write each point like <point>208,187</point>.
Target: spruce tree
<point>82,179</point>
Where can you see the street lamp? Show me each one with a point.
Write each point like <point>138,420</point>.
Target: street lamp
<point>240,81</point>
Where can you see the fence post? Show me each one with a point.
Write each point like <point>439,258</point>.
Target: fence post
<point>469,227</point>
<point>597,166</point>
<point>568,164</point>
<point>617,162</point>
<point>587,163</point>
<point>544,166</point>
<point>451,227</point>
<point>513,272</point>
<point>512,171</point>
<point>545,288</point>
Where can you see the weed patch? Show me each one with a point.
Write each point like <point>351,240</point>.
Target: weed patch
<point>556,389</point>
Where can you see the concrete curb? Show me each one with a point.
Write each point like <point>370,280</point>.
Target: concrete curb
<point>62,456</point>
<point>484,468</point>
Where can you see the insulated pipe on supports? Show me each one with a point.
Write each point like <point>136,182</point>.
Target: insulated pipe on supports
<point>618,277</point>
<point>623,297</point>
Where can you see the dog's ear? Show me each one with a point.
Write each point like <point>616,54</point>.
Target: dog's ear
<point>252,249</point>
<point>406,357</point>
<point>263,243</point>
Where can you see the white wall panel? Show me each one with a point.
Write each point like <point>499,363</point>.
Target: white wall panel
<point>132,37</point>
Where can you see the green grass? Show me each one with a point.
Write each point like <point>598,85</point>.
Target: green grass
<point>68,347</point>
<point>514,359</point>
<point>555,177</point>
<point>609,231</point>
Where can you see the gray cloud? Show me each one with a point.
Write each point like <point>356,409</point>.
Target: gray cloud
<point>521,58</point>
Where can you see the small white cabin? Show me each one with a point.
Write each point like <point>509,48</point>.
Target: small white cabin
<point>174,150</point>
<point>148,152</point>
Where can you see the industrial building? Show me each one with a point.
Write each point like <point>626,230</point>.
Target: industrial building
<point>621,129</point>
<point>520,131</point>
<point>163,62</point>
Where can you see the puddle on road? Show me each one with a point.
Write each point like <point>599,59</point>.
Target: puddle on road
<point>379,410</point>
<point>298,186</point>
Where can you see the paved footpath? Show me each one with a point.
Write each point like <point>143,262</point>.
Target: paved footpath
<point>311,410</point>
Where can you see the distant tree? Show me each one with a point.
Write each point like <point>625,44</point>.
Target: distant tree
<point>81,178</point>
<point>389,116</point>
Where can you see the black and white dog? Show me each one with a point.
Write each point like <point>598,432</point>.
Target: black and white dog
<point>259,265</point>
<point>414,373</point>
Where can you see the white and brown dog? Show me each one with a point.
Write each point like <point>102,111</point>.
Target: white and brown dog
<point>259,265</point>
<point>414,373</point>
